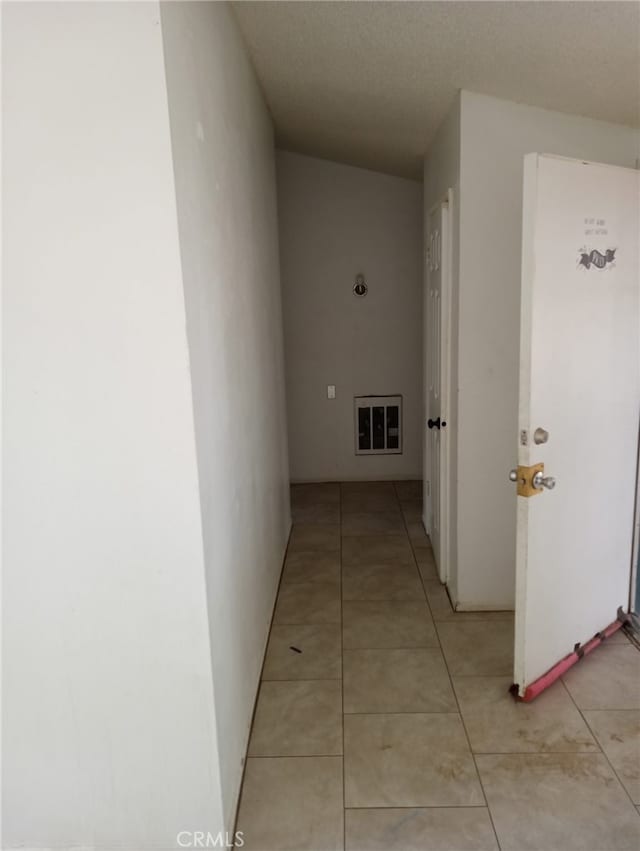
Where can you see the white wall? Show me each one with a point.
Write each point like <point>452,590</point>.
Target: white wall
<point>442,173</point>
<point>225,183</point>
<point>108,717</point>
<point>495,136</point>
<point>337,221</point>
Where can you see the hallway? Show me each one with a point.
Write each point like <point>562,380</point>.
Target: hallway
<point>383,719</point>
<point>255,243</point>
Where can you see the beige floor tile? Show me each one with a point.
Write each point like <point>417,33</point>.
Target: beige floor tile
<point>553,802</point>
<point>423,554</point>
<point>373,523</point>
<point>439,602</point>
<point>420,541</point>
<point>310,567</point>
<point>477,648</point>
<point>387,624</point>
<point>381,582</point>
<point>619,637</point>
<point>608,678</point>
<point>316,494</point>
<point>442,610</point>
<point>321,514</point>
<point>302,652</point>
<point>377,549</point>
<point>409,490</point>
<point>292,805</point>
<point>397,681</point>
<point>417,534</point>
<point>435,829</point>
<point>302,718</point>
<point>365,501</point>
<point>428,571</point>
<point>310,538</point>
<point>405,744</point>
<point>496,723</point>
<point>618,732</point>
<point>308,602</point>
<point>412,510</point>
<point>408,761</point>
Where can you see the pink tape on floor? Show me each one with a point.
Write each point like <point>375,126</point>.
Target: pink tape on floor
<point>543,682</point>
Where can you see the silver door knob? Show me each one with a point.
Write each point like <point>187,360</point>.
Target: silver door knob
<point>540,481</point>
<point>513,475</point>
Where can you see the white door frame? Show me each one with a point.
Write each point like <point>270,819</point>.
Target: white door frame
<point>446,203</point>
<point>635,549</point>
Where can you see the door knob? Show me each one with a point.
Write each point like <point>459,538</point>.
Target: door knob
<point>540,481</point>
<point>436,423</point>
<point>531,480</point>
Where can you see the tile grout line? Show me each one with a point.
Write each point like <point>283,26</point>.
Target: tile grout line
<point>295,756</point>
<point>596,740</point>
<point>613,709</point>
<point>302,680</point>
<point>387,647</point>
<point>260,680</point>
<point>424,807</point>
<point>424,582</point>
<point>455,696</point>
<point>459,713</point>
<point>473,755</point>
<point>413,554</point>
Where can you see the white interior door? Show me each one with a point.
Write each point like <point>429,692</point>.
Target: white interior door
<point>436,374</point>
<point>579,405</point>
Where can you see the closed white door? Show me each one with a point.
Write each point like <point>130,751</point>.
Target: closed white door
<point>436,348</point>
<point>579,406</point>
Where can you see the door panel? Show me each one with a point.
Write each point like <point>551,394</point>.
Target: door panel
<point>579,382</point>
<point>436,341</point>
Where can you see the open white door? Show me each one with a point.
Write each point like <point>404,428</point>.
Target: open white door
<point>437,323</point>
<point>579,405</point>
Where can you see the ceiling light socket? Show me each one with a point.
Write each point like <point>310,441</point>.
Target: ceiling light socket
<point>360,287</point>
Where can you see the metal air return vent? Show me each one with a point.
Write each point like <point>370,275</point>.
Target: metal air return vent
<point>378,425</point>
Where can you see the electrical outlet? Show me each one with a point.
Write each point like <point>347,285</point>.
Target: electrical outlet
<point>331,391</point>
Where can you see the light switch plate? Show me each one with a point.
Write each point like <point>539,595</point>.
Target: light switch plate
<point>331,391</point>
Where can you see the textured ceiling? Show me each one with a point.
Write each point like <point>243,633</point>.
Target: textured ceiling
<point>369,83</point>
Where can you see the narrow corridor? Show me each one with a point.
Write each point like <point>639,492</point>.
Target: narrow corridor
<point>384,720</point>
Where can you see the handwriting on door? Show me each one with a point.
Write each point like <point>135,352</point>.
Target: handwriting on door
<point>594,257</point>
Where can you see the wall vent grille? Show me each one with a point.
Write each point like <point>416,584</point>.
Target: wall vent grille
<point>378,425</point>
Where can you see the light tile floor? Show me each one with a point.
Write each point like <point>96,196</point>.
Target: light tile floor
<point>384,721</point>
